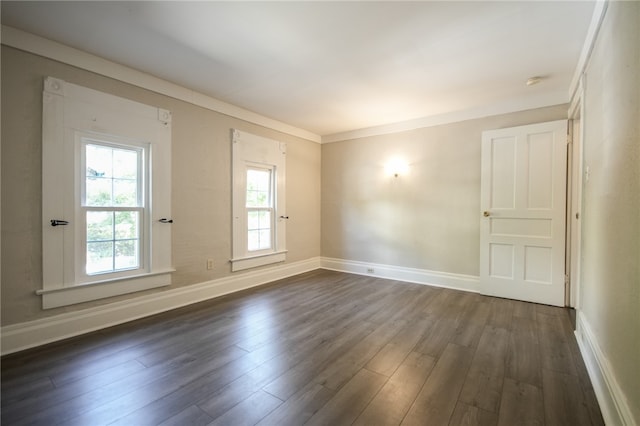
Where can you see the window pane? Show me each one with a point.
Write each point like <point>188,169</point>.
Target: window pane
<point>126,225</point>
<point>259,239</point>
<point>253,242</point>
<point>125,193</point>
<point>252,199</point>
<point>253,220</point>
<point>265,239</point>
<point>99,257</point>
<point>259,230</point>
<point>265,220</point>
<point>99,226</point>
<point>113,241</point>
<point>258,179</point>
<point>261,198</point>
<point>259,219</point>
<point>98,192</point>
<point>257,199</point>
<point>112,176</point>
<point>126,254</point>
<point>99,161</point>
<point>125,164</point>
<point>258,188</point>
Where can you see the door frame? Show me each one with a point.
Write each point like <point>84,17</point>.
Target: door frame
<point>575,174</point>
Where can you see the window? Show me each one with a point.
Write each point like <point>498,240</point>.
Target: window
<point>113,207</point>
<point>106,183</point>
<point>258,201</point>
<point>259,209</point>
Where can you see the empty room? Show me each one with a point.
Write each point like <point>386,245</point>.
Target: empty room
<point>320,212</point>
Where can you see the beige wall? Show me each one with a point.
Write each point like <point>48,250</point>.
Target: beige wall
<point>610,291</point>
<point>428,219</point>
<point>201,198</point>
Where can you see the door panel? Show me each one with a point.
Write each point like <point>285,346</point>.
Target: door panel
<point>502,257</point>
<point>503,176</point>
<point>522,228</point>
<point>540,191</point>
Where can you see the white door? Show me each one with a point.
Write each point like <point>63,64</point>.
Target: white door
<point>523,201</point>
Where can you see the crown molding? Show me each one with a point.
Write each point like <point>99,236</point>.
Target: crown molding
<point>59,52</point>
<point>599,12</point>
<point>546,100</point>
<point>53,50</point>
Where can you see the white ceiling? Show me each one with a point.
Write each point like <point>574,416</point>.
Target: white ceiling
<point>332,67</point>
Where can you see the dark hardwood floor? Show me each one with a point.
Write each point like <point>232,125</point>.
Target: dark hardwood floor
<point>319,348</point>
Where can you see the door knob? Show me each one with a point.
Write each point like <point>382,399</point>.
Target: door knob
<point>486,214</point>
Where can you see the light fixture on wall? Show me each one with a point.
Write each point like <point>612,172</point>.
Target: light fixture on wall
<point>396,167</point>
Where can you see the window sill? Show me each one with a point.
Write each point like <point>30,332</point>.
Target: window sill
<point>64,296</point>
<point>255,261</point>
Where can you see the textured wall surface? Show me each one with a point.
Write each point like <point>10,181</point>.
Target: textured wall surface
<point>201,184</point>
<point>610,292</point>
<point>428,218</point>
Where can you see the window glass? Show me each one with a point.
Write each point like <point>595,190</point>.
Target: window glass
<point>112,183</point>
<point>112,176</point>
<point>258,188</point>
<point>259,230</point>
<point>259,206</point>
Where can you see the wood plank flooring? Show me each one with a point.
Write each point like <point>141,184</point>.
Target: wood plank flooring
<point>322,348</point>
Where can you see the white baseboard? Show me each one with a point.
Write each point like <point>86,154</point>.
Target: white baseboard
<point>419,276</point>
<point>613,403</point>
<point>30,334</point>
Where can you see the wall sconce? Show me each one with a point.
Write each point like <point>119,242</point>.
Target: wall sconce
<point>396,167</point>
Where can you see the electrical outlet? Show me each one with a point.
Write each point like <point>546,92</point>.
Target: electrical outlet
<point>370,270</point>
<point>209,264</point>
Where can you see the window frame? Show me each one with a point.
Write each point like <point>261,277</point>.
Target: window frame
<point>143,207</point>
<point>270,208</point>
<point>255,152</point>
<point>73,114</point>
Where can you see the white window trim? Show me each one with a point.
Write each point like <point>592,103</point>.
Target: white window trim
<point>250,150</point>
<point>71,112</point>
